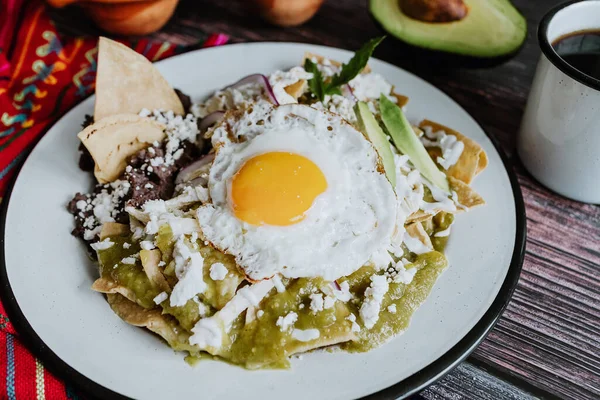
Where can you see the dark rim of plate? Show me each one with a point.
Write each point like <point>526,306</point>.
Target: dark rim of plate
<point>408,386</point>
<point>553,56</point>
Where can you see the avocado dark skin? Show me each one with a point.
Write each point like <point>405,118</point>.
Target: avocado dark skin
<point>406,19</point>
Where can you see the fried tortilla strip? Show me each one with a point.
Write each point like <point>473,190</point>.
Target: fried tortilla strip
<point>106,286</point>
<point>465,194</point>
<point>114,229</point>
<point>126,82</point>
<point>471,162</point>
<point>150,260</point>
<point>419,216</point>
<point>112,140</point>
<point>416,230</point>
<point>297,89</point>
<point>153,320</point>
<point>401,101</point>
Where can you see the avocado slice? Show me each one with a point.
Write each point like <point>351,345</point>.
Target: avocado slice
<point>369,126</point>
<point>488,29</point>
<point>407,142</point>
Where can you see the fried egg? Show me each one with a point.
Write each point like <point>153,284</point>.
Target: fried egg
<point>298,192</point>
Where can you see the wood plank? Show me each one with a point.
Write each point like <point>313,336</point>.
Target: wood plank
<point>468,381</point>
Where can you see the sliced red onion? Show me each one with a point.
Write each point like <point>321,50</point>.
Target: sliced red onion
<point>336,285</point>
<point>195,169</point>
<point>350,92</point>
<point>210,120</point>
<point>259,79</point>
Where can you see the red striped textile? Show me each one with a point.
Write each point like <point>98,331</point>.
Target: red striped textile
<point>42,75</point>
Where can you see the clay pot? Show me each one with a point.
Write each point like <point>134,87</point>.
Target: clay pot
<point>125,17</point>
<point>287,12</point>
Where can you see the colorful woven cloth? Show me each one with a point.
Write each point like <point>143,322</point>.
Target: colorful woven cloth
<point>42,75</point>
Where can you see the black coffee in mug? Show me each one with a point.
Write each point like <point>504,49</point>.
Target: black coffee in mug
<point>581,50</point>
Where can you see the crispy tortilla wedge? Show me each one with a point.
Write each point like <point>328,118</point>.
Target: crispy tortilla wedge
<point>126,82</point>
<point>106,286</point>
<point>472,161</point>
<point>417,231</point>
<point>465,195</point>
<point>112,140</point>
<point>113,229</point>
<point>153,320</point>
<point>150,260</point>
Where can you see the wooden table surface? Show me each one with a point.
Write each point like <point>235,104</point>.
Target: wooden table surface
<point>547,343</point>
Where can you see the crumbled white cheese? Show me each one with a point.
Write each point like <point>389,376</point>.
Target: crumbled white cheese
<point>126,245</point>
<point>208,332</point>
<point>218,271</point>
<point>278,284</point>
<point>342,294</point>
<point>316,302</point>
<point>392,308</point>
<point>403,275</point>
<point>352,319</point>
<point>369,86</point>
<point>104,207</point>
<point>260,313</point>
<point>178,129</point>
<point>103,245</point>
<point>328,302</point>
<point>305,335</point>
<point>414,245</point>
<point>203,309</point>
<point>162,296</point>
<point>128,260</point>
<point>189,267</point>
<point>147,245</point>
<point>286,323</point>
<point>369,310</point>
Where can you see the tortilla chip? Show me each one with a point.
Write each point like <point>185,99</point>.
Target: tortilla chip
<point>113,229</point>
<point>126,82</point>
<point>417,231</point>
<point>400,99</point>
<point>153,320</point>
<point>112,140</point>
<point>103,285</point>
<point>297,89</point>
<point>471,162</point>
<point>150,260</point>
<point>319,60</point>
<point>418,216</point>
<point>465,194</point>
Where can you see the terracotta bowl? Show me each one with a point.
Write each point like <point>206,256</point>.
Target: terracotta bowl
<point>125,17</point>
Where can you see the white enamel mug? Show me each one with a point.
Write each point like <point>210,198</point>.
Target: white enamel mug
<point>559,141</point>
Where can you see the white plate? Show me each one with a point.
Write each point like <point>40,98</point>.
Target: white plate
<point>46,275</point>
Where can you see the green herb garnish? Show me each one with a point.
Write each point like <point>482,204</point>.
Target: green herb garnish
<point>357,63</point>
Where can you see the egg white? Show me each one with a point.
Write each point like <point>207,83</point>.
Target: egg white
<point>350,224</point>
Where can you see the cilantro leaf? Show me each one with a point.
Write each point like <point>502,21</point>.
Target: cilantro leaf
<point>354,67</point>
<point>315,84</point>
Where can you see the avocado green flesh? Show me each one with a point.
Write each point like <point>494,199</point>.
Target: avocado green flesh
<point>492,28</point>
<point>370,127</point>
<point>407,142</point>
<point>261,343</point>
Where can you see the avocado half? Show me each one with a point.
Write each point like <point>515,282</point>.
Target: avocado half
<point>490,28</point>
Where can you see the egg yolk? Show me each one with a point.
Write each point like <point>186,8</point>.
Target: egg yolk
<point>276,188</point>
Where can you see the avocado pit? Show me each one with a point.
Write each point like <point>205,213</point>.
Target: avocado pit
<point>434,11</point>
